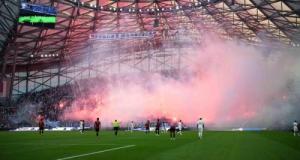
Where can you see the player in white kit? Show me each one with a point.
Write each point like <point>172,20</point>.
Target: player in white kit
<point>131,126</point>
<point>295,128</point>
<point>200,127</point>
<point>81,126</point>
<point>180,125</point>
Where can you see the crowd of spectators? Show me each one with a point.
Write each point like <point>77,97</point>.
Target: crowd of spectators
<point>52,102</point>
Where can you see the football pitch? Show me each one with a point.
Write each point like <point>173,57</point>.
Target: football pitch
<point>215,145</point>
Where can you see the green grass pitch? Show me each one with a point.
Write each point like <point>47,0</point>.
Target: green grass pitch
<point>216,145</point>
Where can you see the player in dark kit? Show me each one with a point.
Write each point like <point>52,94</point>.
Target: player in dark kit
<point>172,131</point>
<point>97,126</point>
<point>147,126</point>
<point>41,125</point>
<point>157,127</point>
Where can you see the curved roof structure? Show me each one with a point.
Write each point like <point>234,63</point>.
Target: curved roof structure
<point>9,11</point>
<point>250,20</point>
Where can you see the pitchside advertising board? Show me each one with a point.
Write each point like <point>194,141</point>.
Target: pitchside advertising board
<point>122,36</point>
<point>37,15</point>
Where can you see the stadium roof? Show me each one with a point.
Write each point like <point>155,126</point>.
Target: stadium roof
<point>249,20</point>
<point>8,13</point>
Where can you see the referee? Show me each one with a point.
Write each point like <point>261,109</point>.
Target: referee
<point>116,126</point>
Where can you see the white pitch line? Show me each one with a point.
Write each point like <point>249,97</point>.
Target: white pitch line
<point>86,144</point>
<point>33,144</point>
<point>88,154</point>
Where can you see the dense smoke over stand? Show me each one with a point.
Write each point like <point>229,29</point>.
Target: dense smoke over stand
<point>26,115</point>
<point>228,84</point>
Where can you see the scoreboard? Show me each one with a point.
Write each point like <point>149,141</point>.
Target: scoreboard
<point>37,15</point>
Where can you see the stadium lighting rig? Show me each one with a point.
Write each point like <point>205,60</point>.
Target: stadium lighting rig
<point>45,55</point>
<point>296,44</point>
<point>110,8</point>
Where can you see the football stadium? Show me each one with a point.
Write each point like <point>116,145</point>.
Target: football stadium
<point>150,79</point>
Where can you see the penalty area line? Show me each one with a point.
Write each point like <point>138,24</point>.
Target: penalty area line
<point>97,152</point>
